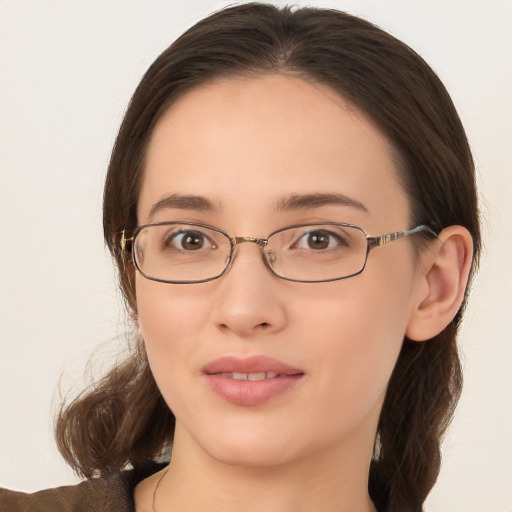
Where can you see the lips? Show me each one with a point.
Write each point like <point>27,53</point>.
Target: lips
<point>250,381</point>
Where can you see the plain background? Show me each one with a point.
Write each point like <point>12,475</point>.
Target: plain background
<point>67,70</point>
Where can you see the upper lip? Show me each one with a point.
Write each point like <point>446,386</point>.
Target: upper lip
<point>252,364</point>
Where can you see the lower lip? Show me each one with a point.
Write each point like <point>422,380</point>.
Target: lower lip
<point>247,392</point>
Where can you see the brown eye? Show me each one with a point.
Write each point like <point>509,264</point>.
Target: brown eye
<point>188,241</point>
<point>318,240</point>
<point>192,241</point>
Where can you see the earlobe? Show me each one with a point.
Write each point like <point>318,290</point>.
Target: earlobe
<point>136,322</point>
<point>445,270</point>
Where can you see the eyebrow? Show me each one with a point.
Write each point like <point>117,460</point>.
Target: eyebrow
<point>291,203</point>
<point>309,201</point>
<point>181,202</point>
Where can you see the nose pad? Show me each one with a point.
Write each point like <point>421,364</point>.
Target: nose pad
<point>269,254</point>
<point>230,258</point>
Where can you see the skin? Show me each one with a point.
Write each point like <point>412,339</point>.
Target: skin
<point>246,144</point>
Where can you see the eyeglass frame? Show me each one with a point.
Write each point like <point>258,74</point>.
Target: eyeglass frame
<point>371,243</point>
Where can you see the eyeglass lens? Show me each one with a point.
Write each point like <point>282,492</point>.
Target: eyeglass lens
<point>177,252</point>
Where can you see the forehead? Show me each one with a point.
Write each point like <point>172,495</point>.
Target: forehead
<point>249,143</point>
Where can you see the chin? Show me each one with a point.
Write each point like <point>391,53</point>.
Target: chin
<point>253,456</point>
<point>248,448</point>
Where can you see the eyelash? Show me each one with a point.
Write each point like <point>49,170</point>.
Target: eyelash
<point>338,240</point>
<point>179,236</point>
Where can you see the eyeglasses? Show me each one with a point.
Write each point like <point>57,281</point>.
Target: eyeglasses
<point>185,252</point>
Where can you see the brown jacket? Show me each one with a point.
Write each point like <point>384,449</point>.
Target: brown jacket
<point>112,494</point>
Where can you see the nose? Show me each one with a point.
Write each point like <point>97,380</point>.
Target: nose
<point>249,298</point>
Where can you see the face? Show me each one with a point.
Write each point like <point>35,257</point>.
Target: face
<point>245,147</point>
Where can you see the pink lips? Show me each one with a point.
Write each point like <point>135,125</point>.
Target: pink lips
<point>250,381</point>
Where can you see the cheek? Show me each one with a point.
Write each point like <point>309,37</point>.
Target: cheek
<point>169,324</point>
<point>166,312</point>
<point>363,337</point>
<point>358,327</point>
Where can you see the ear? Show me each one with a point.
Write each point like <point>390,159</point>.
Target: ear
<point>443,276</point>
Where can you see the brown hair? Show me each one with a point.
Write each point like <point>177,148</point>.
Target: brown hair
<point>123,419</point>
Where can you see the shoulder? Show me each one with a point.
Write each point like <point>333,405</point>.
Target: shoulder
<point>112,494</point>
<point>86,496</point>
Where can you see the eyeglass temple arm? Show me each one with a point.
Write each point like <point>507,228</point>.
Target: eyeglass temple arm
<point>377,241</point>
<point>123,241</point>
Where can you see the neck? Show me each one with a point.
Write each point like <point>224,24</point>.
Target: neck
<point>332,482</point>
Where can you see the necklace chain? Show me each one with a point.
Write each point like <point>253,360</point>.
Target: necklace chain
<point>156,489</point>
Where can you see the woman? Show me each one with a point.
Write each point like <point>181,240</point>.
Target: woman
<point>292,209</point>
